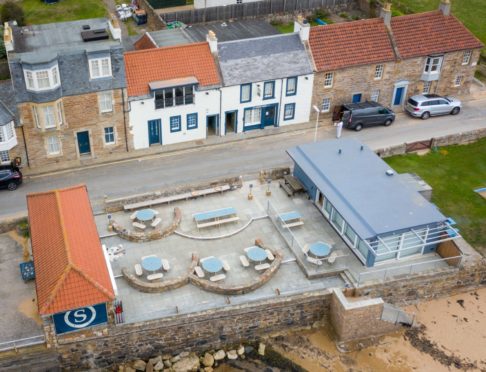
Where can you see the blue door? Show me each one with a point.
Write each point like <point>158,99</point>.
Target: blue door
<point>268,115</point>
<point>357,98</point>
<point>398,96</point>
<point>83,143</point>
<point>154,127</point>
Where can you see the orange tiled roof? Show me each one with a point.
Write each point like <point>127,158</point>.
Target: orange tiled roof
<point>348,44</point>
<point>145,42</point>
<point>145,66</point>
<point>431,32</point>
<point>70,266</point>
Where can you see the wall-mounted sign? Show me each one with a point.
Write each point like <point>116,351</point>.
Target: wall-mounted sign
<point>75,320</point>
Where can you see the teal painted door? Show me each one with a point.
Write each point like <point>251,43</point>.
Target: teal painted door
<point>357,98</point>
<point>83,143</point>
<point>398,96</point>
<point>268,115</point>
<point>154,128</point>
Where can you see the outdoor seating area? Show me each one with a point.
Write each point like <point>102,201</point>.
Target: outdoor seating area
<point>215,217</point>
<point>144,218</point>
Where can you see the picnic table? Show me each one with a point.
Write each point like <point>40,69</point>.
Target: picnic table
<point>145,215</point>
<point>256,254</point>
<point>215,217</point>
<point>291,219</point>
<point>152,263</point>
<point>212,264</point>
<point>319,249</point>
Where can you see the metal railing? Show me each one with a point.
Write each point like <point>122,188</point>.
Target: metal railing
<point>285,232</point>
<point>413,268</point>
<point>23,342</point>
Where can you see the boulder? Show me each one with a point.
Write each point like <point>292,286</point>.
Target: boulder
<point>261,348</point>
<point>232,355</point>
<point>166,356</point>
<point>208,360</point>
<point>187,364</point>
<point>249,349</point>
<point>241,350</point>
<point>149,367</point>
<point>139,365</point>
<point>155,360</point>
<point>175,359</point>
<point>167,363</point>
<point>208,369</point>
<point>159,366</point>
<point>219,355</point>
<point>184,354</point>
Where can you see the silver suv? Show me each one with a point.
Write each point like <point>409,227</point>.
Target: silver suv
<point>427,105</point>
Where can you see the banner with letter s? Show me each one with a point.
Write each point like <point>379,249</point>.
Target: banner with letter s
<point>78,319</point>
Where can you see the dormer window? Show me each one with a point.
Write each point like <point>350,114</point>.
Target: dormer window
<point>176,96</point>
<point>100,67</point>
<point>40,80</point>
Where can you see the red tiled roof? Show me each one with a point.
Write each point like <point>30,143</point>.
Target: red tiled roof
<point>70,266</point>
<point>145,42</point>
<point>431,32</point>
<point>350,44</point>
<point>145,66</point>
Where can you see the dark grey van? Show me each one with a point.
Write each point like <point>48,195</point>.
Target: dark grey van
<point>364,114</point>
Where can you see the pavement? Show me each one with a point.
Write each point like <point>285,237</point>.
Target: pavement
<point>244,157</point>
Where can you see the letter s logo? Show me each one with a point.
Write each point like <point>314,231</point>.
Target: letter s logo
<point>80,318</point>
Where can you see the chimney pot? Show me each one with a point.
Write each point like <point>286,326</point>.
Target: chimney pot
<point>445,7</point>
<point>212,41</point>
<point>386,14</point>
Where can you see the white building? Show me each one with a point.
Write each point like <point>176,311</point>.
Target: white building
<point>8,137</point>
<point>173,94</point>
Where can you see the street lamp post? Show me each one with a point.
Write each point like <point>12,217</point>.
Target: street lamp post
<point>316,109</point>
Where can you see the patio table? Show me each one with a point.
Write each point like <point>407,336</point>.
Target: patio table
<point>256,254</point>
<point>320,249</point>
<point>152,263</point>
<point>212,265</point>
<point>145,215</point>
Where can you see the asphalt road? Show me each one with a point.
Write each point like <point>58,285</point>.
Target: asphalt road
<point>238,158</point>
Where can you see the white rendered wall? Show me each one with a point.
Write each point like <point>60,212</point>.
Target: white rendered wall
<point>200,4</point>
<point>141,112</point>
<point>303,98</point>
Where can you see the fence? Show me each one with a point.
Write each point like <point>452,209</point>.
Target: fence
<point>23,342</point>
<point>448,263</point>
<point>285,232</point>
<point>252,9</point>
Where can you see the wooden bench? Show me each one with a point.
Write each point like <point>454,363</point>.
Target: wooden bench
<point>138,270</point>
<point>291,185</point>
<point>156,222</point>
<point>269,255</point>
<point>217,278</point>
<point>199,272</point>
<point>261,267</point>
<point>244,261</point>
<point>314,261</point>
<point>139,225</point>
<point>226,266</point>
<point>165,265</point>
<point>153,277</point>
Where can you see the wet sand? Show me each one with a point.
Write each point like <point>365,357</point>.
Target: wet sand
<point>452,337</point>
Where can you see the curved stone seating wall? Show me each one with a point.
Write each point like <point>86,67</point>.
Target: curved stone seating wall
<point>135,236</point>
<point>162,286</point>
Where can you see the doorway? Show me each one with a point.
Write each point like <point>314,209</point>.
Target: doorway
<point>357,98</point>
<point>154,128</point>
<point>399,93</point>
<point>268,115</point>
<point>212,123</point>
<point>230,121</point>
<point>83,143</point>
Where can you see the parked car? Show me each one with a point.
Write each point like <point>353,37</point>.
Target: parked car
<point>426,105</point>
<point>364,114</point>
<point>10,177</point>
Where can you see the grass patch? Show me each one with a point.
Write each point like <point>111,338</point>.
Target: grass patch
<point>37,12</point>
<point>480,76</point>
<point>454,172</point>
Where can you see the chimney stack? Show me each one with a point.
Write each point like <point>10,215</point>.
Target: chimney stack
<point>386,14</point>
<point>445,7</point>
<point>302,27</point>
<point>213,41</point>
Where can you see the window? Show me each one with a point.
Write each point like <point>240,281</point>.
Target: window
<point>291,86</point>
<point>252,116</point>
<point>432,64</point>
<point>53,145</point>
<point>466,57</point>
<point>338,221</point>
<point>268,90</point>
<point>105,101</point>
<point>328,79</point>
<point>289,111</point>
<point>100,67</point>
<point>175,124</point>
<point>169,97</point>
<point>239,1</point>
<point>109,135</point>
<point>7,132</point>
<point>42,79</point>
<point>350,234</point>
<point>426,88</point>
<point>4,157</point>
<point>326,104</point>
<point>375,94</point>
<point>245,93</point>
<point>59,113</point>
<point>191,121</point>
<point>179,96</point>
<point>458,80</point>
<point>49,118</point>
<point>379,71</point>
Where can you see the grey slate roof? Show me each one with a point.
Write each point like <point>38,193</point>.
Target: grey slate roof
<point>8,108</point>
<point>263,58</point>
<point>356,184</point>
<point>62,42</point>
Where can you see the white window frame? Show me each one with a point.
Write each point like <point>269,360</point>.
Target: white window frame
<point>379,69</point>
<point>252,116</point>
<point>326,104</point>
<point>375,95</point>
<point>97,72</point>
<point>49,114</point>
<point>3,158</point>
<point>60,116</point>
<point>426,87</point>
<point>458,80</point>
<point>33,77</point>
<point>50,145</point>
<point>328,79</point>
<point>466,57</point>
<point>430,64</point>
<point>7,132</point>
<point>114,135</point>
<point>105,102</point>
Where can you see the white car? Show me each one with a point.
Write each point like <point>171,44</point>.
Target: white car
<point>427,105</point>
